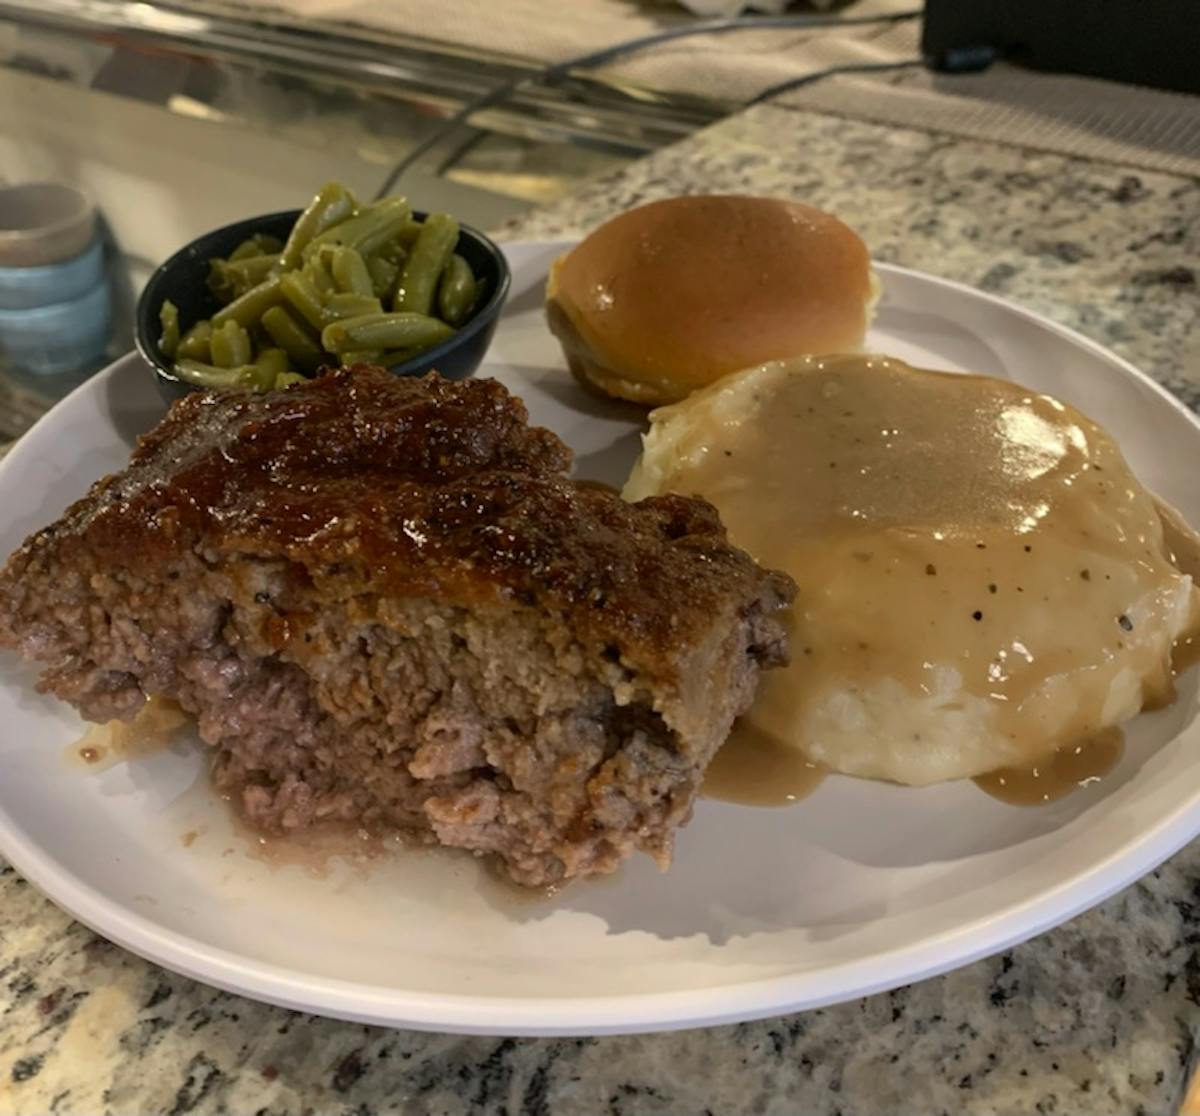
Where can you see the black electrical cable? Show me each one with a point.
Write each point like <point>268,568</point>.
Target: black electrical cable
<point>833,71</point>
<point>958,61</point>
<point>609,54</point>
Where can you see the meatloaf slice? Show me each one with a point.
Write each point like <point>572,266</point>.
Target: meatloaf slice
<point>385,603</point>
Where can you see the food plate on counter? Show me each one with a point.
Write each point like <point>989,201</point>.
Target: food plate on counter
<point>861,887</point>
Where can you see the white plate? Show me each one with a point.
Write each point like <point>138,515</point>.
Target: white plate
<point>860,888</point>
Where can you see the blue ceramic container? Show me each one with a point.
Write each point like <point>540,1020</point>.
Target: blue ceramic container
<point>56,318</point>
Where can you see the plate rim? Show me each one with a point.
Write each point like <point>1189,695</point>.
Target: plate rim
<point>452,1012</point>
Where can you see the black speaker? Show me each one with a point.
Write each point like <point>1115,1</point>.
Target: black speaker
<point>1148,42</point>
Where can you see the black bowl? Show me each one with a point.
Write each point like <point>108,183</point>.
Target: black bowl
<point>184,280</point>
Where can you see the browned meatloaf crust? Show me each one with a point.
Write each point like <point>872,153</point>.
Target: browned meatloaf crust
<point>384,602</point>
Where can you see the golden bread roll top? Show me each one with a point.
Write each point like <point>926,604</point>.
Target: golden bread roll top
<point>668,297</point>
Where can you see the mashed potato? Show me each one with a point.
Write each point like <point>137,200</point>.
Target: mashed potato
<point>982,579</point>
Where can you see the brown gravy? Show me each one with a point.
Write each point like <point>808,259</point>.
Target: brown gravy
<point>980,573</point>
<point>153,730</point>
<point>314,849</point>
<point>754,769</point>
<point>599,486</point>
<point>1064,771</point>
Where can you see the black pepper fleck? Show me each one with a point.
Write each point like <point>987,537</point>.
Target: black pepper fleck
<point>1028,548</point>
<point>977,615</point>
<point>1086,575</point>
<point>931,570</point>
<point>1125,622</point>
<point>991,587</point>
<point>25,1068</point>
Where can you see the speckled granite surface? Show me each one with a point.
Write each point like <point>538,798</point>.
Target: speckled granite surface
<point>1095,1017</point>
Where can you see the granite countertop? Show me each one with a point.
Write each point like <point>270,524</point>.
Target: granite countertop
<point>1097,1016</point>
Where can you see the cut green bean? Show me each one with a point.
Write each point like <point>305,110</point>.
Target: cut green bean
<point>302,348</point>
<point>481,294</point>
<point>230,345</point>
<point>240,275</point>
<point>194,344</point>
<point>333,204</point>
<point>385,331</point>
<point>360,356</point>
<point>350,273</point>
<point>391,215</point>
<point>286,379</point>
<point>338,306</point>
<point>456,291</point>
<point>168,319</point>
<point>430,254</point>
<point>260,244</point>
<point>219,282</point>
<point>247,376</point>
<point>407,236</point>
<point>250,307</point>
<point>303,296</point>
<point>318,275</point>
<point>244,251</point>
<point>273,360</point>
<point>368,231</point>
<point>383,274</point>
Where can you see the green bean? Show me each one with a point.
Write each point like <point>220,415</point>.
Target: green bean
<point>241,275</point>
<point>299,290</point>
<point>333,204</point>
<point>230,346</point>
<point>456,291</point>
<point>301,347</point>
<point>247,309</point>
<point>260,244</point>
<point>338,306</point>
<point>319,276</point>
<point>371,238</point>
<point>383,274</point>
<point>407,236</point>
<point>207,376</point>
<point>273,360</point>
<point>481,294</point>
<point>430,254</point>
<point>393,357</point>
<point>286,379</point>
<point>360,356</point>
<point>194,344</point>
<point>168,318</point>
<point>367,231</point>
<point>385,331</point>
<point>350,272</point>
<point>244,251</point>
<point>219,281</point>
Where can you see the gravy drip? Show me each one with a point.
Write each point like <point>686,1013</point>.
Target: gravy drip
<point>755,769</point>
<point>1067,769</point>
<point>151,731</point>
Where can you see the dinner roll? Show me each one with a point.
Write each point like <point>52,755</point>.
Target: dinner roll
<point>672,295</point>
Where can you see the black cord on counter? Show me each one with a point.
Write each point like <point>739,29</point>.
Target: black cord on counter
<point>552,73</point>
